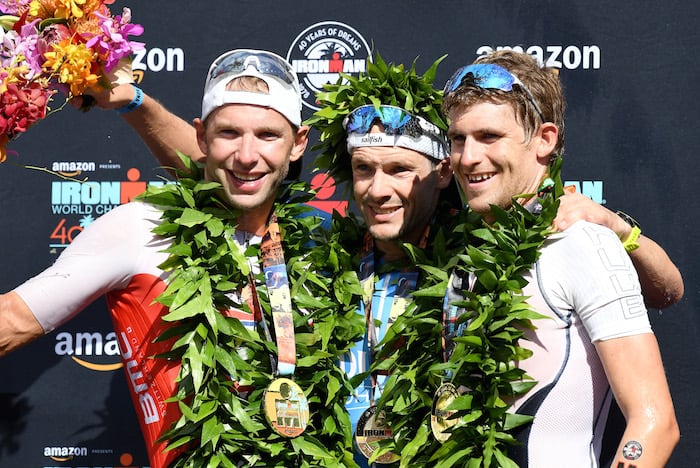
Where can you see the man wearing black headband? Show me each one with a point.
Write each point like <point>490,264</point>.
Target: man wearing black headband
<point>506,133</point>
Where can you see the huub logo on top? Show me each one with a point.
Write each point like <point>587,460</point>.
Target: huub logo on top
<point>322,51</point>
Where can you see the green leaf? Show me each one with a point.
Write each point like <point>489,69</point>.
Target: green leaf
<point>307,447</point>
<point>191,217</point>
<point>194,306</point>
<point>516,420</point>
<point>413,447</point>
<point>195,362</point>
<point>211,431</point>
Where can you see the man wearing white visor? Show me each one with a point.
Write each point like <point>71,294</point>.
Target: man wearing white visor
<point>196,280</point>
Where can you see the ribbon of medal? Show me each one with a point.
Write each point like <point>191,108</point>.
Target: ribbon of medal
<point>285,405</point>
<point>371,426</point>
<point>441,419</point>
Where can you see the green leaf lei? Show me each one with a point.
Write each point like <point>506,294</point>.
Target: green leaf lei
<point>218,426</point>
<point>383,83</point>
<point>483,360</point>
<point>499,254</point>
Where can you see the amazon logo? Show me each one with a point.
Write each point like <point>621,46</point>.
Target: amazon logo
<point>91,350</point>
<point>64,454</point>
<point>570,57</point>
<point>156,59</point>
<point>72,168</point>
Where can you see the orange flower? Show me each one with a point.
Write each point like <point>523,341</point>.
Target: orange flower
<point>72,64</point>
<point>42,9</point>
<point>63,9</point>
<point>96,5</point>
<point>13,74</point>
<point>68,8</point>
<point>90,24</point>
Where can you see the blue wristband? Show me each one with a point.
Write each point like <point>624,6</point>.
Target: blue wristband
<point>135,102</point>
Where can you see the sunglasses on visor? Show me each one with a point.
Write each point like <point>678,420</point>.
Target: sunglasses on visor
<point>265,63</point>
<point>489,76</point>
<point>395,120</point>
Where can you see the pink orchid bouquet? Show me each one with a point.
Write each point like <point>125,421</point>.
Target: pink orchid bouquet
<point>50,46</point>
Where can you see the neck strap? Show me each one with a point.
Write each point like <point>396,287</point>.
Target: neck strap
<point>277,282</point>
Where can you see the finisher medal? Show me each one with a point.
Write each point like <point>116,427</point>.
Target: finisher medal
<point>439,416</point>
<point>286,408</point>
<point>371,428</point>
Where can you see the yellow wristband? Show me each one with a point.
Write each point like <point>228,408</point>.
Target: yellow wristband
<point>631,242</point>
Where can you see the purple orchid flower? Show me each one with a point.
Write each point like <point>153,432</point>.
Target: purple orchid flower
<point>19,49</point>
<point>13,7</point>
<point>113,43</point>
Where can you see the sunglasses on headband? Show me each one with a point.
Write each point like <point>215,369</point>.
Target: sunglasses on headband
<point>395,120</point>
<point>489,76</point>
<point>266,63</point>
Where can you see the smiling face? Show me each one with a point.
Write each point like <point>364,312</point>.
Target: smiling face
<point>248,150</point>
<point>491,158</point>
<point>397,191</point>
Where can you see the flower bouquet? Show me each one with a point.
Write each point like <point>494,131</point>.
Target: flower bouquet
<point>50,46</point>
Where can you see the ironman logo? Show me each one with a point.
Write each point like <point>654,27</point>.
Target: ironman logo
<point>322,51</point>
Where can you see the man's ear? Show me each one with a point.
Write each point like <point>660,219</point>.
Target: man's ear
<point>548,136</point>
<point>201,133</point>
<point>301,139</point>
<point>444,171</point>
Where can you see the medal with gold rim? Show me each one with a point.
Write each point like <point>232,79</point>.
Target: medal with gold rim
<point>440,416</point>
<point>371,428</point>
<point>286,408</point>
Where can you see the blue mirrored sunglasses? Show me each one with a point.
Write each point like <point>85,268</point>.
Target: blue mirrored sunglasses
<point>489,76</point>
<point>395,120</point>
<point>265,63</point>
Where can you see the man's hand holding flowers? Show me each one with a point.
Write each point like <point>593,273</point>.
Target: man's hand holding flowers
<point>56,45</point>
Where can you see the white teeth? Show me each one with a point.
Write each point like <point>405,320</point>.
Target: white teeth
<point>384,210</point>
<point>480,177</point>
<point>246,177</point>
